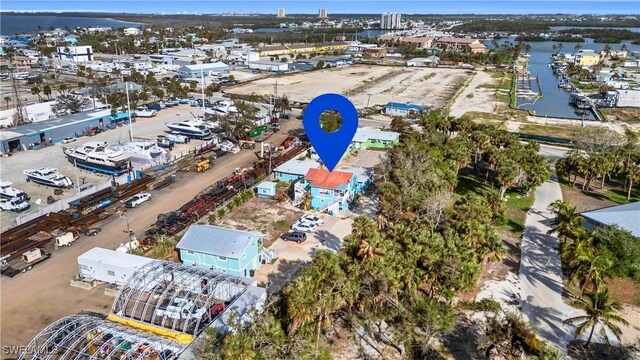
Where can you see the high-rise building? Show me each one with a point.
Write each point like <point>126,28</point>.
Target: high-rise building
<point>390,21</point>
<point>322,13</point>
<point>281,12</point>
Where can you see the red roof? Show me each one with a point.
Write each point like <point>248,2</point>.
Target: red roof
<point>326,179</point>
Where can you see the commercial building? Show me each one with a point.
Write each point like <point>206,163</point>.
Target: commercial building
<point>322,13</point>
<point>229,251</point>
<point>281,13</point>
<point>375,52</point>
<point>369,138</point>
<point>587,57</point>
<point>198,70</point>
<point>80,54</point>
<point>390,21</point>
<point>461,45</point>
<point>402,109</point>
<point>428,61</point>
<point>626,217</point>
<point>419,41</point>
<point>301,48</point>
<point>29,136</point>
<point>272,66</point>
<point>331,191</point>
<point>109,266</point>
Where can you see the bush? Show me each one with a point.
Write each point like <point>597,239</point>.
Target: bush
<point>625,249</point>
<point>482,305</point>
<point>281,224</point>
<point>221,213</point>
<point>212,219</point>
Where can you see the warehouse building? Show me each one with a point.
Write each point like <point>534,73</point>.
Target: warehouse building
<point>31,136</point>
<point>271,66</point>
<point>197,70</point>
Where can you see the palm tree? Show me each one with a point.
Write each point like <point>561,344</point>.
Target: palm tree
<point>7,99</point>
<point>567,220</point>
<point>599,310</point>
<point>590,269</point>
<point>633,174</point>
<point>35,90</point>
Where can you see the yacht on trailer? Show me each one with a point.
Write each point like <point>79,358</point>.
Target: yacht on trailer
<point>145,151</point>
<point>48,177</point>
<point>98,156</point>
<point>192,128</point>
<point>8,192</point>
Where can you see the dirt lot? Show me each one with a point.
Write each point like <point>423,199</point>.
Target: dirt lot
<point>431,87</point>
<point>476,98</point>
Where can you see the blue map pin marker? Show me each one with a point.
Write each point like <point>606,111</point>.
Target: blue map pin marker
<point>330,146</point>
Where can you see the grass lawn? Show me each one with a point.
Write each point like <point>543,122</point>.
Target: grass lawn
<point>626,115</point>
<point>596,198</point>
<point>550,130</point>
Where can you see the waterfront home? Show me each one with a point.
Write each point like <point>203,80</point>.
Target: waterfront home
<point>586,57</point>
<point>230,251</point>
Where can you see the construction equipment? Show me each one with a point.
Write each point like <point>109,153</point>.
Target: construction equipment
<point>247,144</point>
<point>26,262</point>
<point>203,165</point>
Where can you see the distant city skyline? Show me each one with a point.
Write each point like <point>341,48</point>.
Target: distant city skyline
<point>597,7</point>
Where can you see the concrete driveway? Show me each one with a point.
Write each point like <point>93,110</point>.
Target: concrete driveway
<point>292,256</point>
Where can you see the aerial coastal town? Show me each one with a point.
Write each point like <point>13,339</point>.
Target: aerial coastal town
<point>164,196</point>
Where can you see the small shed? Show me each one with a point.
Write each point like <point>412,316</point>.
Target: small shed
<point>266,190</point>
<point>109,266</point>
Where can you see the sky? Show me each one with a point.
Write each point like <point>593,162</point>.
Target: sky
<point>630,7</point>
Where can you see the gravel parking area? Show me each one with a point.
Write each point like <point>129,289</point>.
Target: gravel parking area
<point>364,84</point>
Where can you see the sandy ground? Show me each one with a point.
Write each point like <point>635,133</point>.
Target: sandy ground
<point>364,85</point>
<point>481,100</point>
<point>616,126</point>
<point>31,301</point>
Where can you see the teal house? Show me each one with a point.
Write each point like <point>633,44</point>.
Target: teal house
<point>266,189</point>
<point>330,191</point>
<point>364,176</point>
<point>366,138</point>
<point>226,250</point>
<point>294,169</point>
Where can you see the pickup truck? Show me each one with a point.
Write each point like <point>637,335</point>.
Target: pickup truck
<point>177,138</point>
<point>14,204</point>
<point>137,199</point>
<point>180,308</point>
<point>24,263</point>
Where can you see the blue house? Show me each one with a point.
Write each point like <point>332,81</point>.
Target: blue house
<point>266,189</point>
<point>330,191</point>
<point>402,109</point>
<point>294,169</point>
<point>364,176</point>
<point>230,251</point>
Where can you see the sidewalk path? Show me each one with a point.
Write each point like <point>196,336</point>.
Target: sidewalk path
<point>541,274</point>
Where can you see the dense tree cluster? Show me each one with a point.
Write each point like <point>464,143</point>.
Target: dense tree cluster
<point>396,276</point>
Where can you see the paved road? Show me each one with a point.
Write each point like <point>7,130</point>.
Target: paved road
<point>540,272</point>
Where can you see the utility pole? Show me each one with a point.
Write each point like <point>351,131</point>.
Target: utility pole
<point>19,110</point>
<point>75,164</point>
<point>202,79</point>
<point>129,112</point>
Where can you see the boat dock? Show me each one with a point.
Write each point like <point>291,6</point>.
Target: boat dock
<point>523,85</point>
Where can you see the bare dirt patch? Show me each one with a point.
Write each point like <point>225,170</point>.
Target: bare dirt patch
<point>365,84</point>
<point>475,97</point>
<point>264,216</point>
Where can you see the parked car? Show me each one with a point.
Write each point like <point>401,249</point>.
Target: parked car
<point>92,231</point>
<point>137,199</point>
<point>313,219</point>
<point>68,140</point>
<point>296,236</point>
<point>304,226</point>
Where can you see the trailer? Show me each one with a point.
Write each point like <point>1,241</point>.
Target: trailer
<point>26,262</point>
<point>108,266</point>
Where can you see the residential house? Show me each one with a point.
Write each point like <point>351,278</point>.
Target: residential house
<point>402,109</point>
<point>266,190</point>
<point>364,176</point>
<point>331,191</point>
<point>626,217</point>
<point>294,170</point>
<point>20,60</point>
<point>369,138</point>
<point>587,57</point>
<point>230,251</point>
<point>460,45</point>
<point>132,31</point>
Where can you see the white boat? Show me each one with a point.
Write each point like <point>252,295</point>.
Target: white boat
<point>145,151</point>
<point>48,177</point>
<point>144,112</point>
<point>8,192</point>
<point>99,157</point>
<point>191,128</point>
<point>222,107</point>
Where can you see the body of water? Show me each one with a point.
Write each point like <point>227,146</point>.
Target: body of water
<point>11,24</point>
<point>555,101</point>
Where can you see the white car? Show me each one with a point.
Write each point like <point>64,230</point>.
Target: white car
<point>310,218</point>
<point>68,140</point>
<point>137,199</point>
<point>304,226</point>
